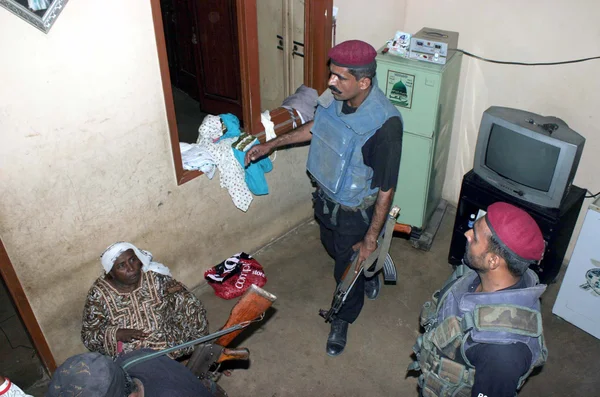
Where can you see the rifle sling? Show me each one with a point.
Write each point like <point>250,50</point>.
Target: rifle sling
<point>383,249</point>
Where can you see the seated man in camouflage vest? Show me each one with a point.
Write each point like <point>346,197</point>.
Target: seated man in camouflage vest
<point>483,329</point>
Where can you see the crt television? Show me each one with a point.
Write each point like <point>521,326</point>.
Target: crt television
<point>531,157</point>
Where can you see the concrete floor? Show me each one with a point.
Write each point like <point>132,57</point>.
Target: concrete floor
<point>288,351</point>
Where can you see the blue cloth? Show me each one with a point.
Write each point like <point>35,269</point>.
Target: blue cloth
<point>254,173</point>
<point>232,123</point>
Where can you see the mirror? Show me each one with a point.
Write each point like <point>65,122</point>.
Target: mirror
<point>40,13</point>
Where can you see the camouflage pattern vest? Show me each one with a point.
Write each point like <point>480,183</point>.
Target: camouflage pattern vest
<point>335,158</point>
<point>456,320</point>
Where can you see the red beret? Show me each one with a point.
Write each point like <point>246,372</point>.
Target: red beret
<point>517,230</point>
<point>352,53</point>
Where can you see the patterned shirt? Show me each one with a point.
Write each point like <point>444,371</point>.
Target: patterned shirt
<point>161,306</point>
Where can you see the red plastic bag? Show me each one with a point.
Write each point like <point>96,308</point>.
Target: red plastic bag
<point>232,277</point>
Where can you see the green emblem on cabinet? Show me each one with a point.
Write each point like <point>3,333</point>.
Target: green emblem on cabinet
<point>399,88</point>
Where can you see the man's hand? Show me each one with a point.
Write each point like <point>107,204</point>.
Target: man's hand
<point>364,248</point>
<point>128,334</point>
<point>369,242</point>
<point>256,152</point>
<point>299,135</point>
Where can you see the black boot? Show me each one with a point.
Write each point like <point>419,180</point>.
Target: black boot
<point>337,337</point>
<point>372,287</point>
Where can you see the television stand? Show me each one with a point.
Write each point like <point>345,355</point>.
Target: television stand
<point>557,224</point>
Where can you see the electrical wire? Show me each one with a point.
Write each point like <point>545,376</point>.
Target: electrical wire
<point>592,195</point>
<point>525,63</point>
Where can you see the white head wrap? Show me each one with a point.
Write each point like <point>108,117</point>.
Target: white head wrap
<point>110,255</point>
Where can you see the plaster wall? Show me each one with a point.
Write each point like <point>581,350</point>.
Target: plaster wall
<point>375,21</point>
<point>85,161</point>
<point>523,31</point>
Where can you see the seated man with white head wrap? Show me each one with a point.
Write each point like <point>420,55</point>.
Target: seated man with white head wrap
<point>137,304</point>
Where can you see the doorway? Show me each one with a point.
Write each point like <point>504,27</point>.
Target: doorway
<point>317,41</point>
<point>25,356</point>
<point>19,360</point>
<point>202,50</point>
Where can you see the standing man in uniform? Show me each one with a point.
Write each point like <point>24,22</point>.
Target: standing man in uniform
<point>354,158</point>
<point>483,329</point>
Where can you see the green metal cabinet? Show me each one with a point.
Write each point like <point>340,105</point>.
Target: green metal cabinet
<point>425,94</point>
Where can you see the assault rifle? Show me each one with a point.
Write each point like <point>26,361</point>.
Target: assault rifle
<point>354,270</point>
<point>207,357</point>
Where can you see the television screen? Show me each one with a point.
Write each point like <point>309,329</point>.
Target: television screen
<point>517,157</point>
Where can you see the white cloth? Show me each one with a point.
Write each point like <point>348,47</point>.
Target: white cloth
<point>196,157</point>
<point>9,389</point>
<point>110,255</point>
<point>232,176</point>
<point>265,119</point>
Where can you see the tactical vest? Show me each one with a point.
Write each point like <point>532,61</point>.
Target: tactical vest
<point>335,157</point>
<point>456,320</point>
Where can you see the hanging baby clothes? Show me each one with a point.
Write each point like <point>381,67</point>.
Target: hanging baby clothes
<point>255,171</point>
<point>196,157</point>
<point>231,172</point>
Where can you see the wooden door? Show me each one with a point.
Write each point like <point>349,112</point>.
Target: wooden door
<point>218,66</point>
<point>181,40</point>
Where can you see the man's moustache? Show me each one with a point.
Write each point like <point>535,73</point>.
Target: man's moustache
<point>332,88</point>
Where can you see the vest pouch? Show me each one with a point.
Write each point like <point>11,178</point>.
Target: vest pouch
<point>432,386</point>
<point>452,380</point>
<point>428,315</point>
<point>447,337</point>
<point>508,318</point>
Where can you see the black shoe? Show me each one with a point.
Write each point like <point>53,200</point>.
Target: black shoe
<point>337,337</point>
<point>372,287</point>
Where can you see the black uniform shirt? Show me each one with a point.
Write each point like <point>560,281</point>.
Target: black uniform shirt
<point>498,367</point>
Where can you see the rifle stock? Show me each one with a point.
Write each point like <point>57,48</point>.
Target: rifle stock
<point>249,307</point>
<point>403,228</point>
<point>233,354</point>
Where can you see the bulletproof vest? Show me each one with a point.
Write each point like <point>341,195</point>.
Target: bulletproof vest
<point>456,320</point>
<point>335,158</point>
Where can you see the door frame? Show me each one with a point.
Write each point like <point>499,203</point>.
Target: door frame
<point>15,289</point>
<point>317,41</point>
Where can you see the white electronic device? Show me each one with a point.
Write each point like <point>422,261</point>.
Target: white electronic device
<point>433,45</point>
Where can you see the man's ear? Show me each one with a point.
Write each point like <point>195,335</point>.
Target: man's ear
<point>364,83</point>
<point>140,391</point>
<point>493,261</point>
